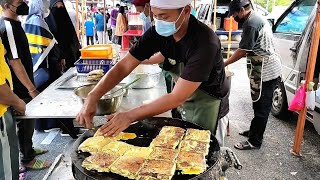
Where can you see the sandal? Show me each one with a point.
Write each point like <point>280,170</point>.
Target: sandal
<point>245,133</point>
<point>38,165</point>
<point>40,151</point>
<point>23,176</point>
<point>245,145</point>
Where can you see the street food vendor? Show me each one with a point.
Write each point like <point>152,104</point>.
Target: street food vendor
<point>263,67</point>
<point>191,51</point>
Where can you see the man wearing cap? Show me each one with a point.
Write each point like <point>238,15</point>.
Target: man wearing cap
<point>191,51</point>
<point>263,65</point>
<point>143,6</point>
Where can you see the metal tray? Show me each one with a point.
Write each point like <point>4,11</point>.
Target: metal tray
<point>74,81</point>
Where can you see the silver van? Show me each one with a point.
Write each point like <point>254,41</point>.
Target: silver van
<point>292,34</point>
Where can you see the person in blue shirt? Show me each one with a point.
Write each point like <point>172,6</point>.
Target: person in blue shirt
<point>100,25</point>
<point>89,25</point>
<point>143,6</point>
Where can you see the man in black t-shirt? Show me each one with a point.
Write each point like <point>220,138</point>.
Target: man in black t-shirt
<point>190,51</point>
<point>19,58</point>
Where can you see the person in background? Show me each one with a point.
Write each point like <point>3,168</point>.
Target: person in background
<point>263,67</point>
<point>121,26</point>
<point>9,150</point>
<point>114,15</point>
<point>99,20</point>
<point>19,58</point>
<point>109,29</point>
<point>63,30</point>
<point>89,25</point>
<point>143,6</point>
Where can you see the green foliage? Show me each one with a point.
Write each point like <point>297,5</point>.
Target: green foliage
<point>264,3</point>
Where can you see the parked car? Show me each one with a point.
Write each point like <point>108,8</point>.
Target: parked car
<point>292,34</point>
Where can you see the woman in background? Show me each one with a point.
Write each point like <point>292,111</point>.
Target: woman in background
<point>121,26</point>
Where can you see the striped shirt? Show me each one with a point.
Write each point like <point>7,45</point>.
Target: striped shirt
<point>16,45</point>
<point>257,37</point>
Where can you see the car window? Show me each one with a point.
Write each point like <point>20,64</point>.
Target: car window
<point>296,19</point>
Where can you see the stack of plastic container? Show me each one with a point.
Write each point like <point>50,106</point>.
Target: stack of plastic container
<point>95,57</point>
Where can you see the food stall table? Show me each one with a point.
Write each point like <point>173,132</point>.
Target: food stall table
<point>56,103</point>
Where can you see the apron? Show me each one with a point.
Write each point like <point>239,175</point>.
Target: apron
<point>254,69</point>
<point>200,108</point>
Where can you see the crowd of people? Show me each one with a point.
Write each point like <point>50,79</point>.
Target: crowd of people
<point>103,25</point>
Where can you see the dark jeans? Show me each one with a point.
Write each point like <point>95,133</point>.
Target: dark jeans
<point>119,40</point>
<point>25,133</point>
<point>90,38</point>
<point>261,109</point>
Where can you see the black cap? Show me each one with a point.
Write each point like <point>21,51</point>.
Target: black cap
<point>236,5</point>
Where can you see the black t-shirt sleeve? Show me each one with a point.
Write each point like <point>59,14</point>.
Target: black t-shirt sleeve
<point>10,43</point>
<point>249,38</point>
<point>147,45</point>
<point>201,61</point>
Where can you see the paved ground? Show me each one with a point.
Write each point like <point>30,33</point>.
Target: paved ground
<point>273,161</point>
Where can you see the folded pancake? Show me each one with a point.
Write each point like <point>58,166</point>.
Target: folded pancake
<point>95,75</point>
<point>171,131</point>
<point>128,166</point>
<point>120,136</point>
<point>195,146</point>
<point>164,154</point>
<point>158,168</point>
<point>100,162</point>
<point>94,144</point>
<point>164,142</point>
<point>198,135</point>
<point>136,151</point>
<point>191,163</point>
<point>116,147</point>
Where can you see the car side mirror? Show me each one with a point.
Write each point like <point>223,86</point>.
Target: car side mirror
<point>271,22</point>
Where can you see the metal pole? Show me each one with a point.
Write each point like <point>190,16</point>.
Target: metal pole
<point>309,78</point>
<point>83,6</point>
<point>215,16</point>
<point>77,18</point>
<point>104,22</point>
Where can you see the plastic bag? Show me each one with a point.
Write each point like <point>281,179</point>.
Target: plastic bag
<point>318,92</point>
<point>311,100</point>
<point>299,99</point>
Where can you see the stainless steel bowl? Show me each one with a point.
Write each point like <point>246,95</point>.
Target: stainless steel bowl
<point>149,76</point>
<point>107,104</point>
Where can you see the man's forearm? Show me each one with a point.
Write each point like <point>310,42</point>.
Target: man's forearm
<point>238,54</point>
<point>7,97</point>
<point>22,75</point>
<point>155,59</point>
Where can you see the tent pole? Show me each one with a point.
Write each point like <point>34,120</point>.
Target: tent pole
<point>77,18</point>
<point>309,78</point>
<point>104,22</point>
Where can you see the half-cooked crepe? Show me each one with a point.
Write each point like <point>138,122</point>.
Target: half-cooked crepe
<point>157,169</point>
<point>191,163</point>
<point>116,147</point>
<point>94,144</point>
<point>120,136</point>
<point>195,146</point>
<point>171,131</point>
<point>100,162</point>
<point>136,151</point>
<point>164,142</point>
<point>164,154</point>
<point>198,135</point>
<point>128,166</point>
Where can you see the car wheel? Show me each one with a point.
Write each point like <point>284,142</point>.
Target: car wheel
<point>279,107</point>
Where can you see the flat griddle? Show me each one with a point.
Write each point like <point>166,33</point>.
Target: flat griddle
<point>146,131</point>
